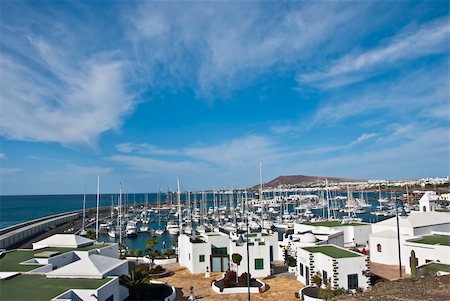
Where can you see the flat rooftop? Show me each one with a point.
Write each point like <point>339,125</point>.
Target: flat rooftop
<point>332,251</point>
<point>37,287</point>
<point>11,261</point>
<point>434,239</point>
<point>333,224</point>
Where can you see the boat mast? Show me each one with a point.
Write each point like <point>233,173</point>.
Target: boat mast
<point>180,217</point>
<point>120,213</point>
<point>261,194</point>
<point>328,198</point>
<point>84,209</point>
<point>98,203</point>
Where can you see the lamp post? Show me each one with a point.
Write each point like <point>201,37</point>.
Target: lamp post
<point>403,215</point>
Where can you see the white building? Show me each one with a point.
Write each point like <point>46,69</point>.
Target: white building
<point>212,251</point>
<point>384,237</point>
<point>70,257</point>
<point>427,248</point>
<point>353,233</point>
<point>344,268</point>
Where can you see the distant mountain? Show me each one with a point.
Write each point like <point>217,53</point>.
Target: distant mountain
<point>301,179</point>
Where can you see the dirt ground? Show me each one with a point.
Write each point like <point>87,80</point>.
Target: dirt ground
<point>280,287</point>
<point>425,289</point>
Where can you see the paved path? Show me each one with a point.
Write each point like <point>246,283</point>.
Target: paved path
<point>280,286</point>
<point>389,272</point>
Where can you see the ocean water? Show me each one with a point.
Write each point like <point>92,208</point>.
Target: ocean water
<point>17,209</point>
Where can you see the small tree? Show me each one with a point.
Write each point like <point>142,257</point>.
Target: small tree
<point>152,257</point>
<point>317,279</point>
<point>326,293</point>
<point>135,281</point>
<point>137,252</point>
<point>236,258</point>
<point>413,264</point>
<point>91,235</point>
<point>130,253</point>
<point>151,242</point>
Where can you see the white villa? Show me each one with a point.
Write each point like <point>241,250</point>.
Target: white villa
<point>354,233</point>
<point>344,268</point>
<point>212,251</point>
<point>419,226</point>
<point>74,267</point>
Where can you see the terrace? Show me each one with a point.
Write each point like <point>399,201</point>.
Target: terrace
<point>332,251</point>
<point>435,239</point>
<point>11,261</point>
<point>37,287</point>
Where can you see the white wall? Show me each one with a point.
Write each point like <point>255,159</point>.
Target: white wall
<point>425,252</point>
<point>188,254</point>
<point>109,250</point>
<point>119,270</point>
<point>322,262</point>
<point>256,251</point>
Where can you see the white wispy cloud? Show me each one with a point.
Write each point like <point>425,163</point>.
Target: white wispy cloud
<point>57,84</point>
<point>411,43</point>
<point>144,148</point>
<point>236,158</point>
<point>5,171</point>
<point>417,92</point>
<point>364,137</point>
<point>221,46</point>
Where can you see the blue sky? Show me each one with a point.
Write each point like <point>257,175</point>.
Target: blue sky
<point>145,92</point>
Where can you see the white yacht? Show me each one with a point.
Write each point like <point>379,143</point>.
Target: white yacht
<point>173,228</point>
<point>131,228</point>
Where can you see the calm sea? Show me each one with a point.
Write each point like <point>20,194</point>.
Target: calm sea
<point>21,208</point>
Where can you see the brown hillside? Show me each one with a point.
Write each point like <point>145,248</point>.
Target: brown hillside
<point>301,179</point>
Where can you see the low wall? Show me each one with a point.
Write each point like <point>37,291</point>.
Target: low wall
<point>239,290</point>
<point>18,233</point>
<point>306,296</point>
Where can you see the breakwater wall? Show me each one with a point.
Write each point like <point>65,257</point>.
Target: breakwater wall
<point>19,233</point>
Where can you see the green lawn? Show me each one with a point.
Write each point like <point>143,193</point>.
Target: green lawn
<point>10,263</point>
<point>439,267</point>
<point>331,251</point>
<point>36,287</point>
<point>434,240</point>
<point>332,224</point>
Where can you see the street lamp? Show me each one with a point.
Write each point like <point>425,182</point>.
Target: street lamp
<point>403,214</point>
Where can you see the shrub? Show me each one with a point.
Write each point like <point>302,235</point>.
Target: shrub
<point>230,278</point>
<point>242,280</point>
<point>291,261</point>
<point>317,279</point>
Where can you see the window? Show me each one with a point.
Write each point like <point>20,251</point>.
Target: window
<point>301,269</point>
<point>325,277</point>
<point>219,251</point>
<point>259,264</point>
<point>352,281</point>
<point>201,258</point>
<point>189,256</point>
<point>379,248</point>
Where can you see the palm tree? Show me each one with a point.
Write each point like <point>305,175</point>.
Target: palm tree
<point>137,252</point>
<point>152,241</point>
<point>152,256</point>
<point>135,281</point>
